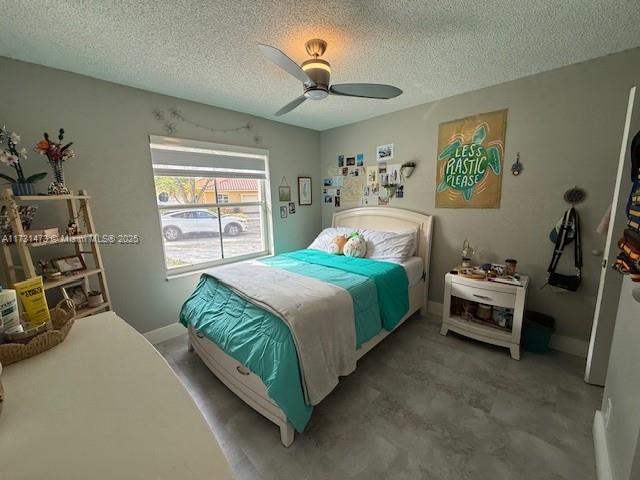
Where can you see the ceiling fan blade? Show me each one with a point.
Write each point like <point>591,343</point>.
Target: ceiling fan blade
<point>365,90</point>
<point>291,105</point>
<point>285,63</point>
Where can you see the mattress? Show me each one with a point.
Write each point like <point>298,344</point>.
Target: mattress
<point>414,268</point>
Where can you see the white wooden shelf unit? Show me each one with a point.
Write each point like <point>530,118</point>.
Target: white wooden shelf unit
<point>84,245</point>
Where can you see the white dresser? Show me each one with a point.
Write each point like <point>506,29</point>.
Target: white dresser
<point>488,293</point>
<point>103,405</point>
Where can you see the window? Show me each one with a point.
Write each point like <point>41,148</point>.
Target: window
<point>212,203</point>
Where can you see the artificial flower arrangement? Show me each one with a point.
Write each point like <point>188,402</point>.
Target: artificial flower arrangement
<point>11,156</point>
<point>57,154</point>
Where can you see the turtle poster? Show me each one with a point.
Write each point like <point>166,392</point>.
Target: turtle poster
<point>469,161</point>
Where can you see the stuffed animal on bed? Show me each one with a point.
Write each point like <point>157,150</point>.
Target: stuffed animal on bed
<point>336,247</point>
<point>356,246</point>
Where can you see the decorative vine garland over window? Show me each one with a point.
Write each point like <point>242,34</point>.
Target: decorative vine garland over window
<point>169,122</point>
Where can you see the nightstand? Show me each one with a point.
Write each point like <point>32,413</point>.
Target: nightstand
<point>488,293</point>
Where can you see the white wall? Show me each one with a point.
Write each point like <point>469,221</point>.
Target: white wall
<point>622,389</point>
<point>110,125</point>
<point>567,126</point>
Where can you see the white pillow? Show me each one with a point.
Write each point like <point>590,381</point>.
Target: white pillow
<point>390,246</point>
<point>326,237</point>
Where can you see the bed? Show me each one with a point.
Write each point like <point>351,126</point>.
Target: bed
<point>343,306</point>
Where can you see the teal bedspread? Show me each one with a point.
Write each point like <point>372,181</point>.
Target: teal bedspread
<point>262,341</point>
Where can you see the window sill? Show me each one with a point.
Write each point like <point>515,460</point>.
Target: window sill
<point>199,269</point>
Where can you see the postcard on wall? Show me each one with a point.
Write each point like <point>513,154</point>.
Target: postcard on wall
<point>360,159</point>
<point>393,172</point>
<point>384,153</point>
<point>333,181</point>
<point>351,161</point>
<point>469,161</point>
<point>328,199</point>
<point>372,175</point>
<point>340,160</point>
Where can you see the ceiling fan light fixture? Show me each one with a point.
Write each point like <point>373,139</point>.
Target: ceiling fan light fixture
<point>318,70</point>
<point>315,63</point>
<point>315,75</point>
<point>316,93</point>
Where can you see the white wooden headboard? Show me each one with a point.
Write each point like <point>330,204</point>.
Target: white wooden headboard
<point>388,219</point>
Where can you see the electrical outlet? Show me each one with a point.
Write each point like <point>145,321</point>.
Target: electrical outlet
<point>607,413</point>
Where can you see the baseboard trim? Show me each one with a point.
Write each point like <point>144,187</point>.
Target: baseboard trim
<point>603,466</point>
<point>167,332</point>
<point>560,343</point>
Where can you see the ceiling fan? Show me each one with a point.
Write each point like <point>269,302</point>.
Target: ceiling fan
<point>315,75</point>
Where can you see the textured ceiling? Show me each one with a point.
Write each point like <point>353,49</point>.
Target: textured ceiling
<point>206,51</point>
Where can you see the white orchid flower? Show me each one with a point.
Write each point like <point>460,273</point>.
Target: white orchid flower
<point>15,138</point>
<point>7,158</point>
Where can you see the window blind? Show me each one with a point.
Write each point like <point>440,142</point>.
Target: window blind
<point>171,156</point>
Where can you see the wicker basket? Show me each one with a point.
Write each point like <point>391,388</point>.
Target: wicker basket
<point>61,322</point>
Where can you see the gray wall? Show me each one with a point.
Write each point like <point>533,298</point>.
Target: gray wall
<point>110,125</point>
<point>567,125</point>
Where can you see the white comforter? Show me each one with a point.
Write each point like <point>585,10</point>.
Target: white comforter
<point>319,315</point>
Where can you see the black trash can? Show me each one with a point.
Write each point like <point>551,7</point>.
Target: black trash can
<point>537,331</point>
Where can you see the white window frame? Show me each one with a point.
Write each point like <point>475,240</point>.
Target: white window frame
<point>178,144</point>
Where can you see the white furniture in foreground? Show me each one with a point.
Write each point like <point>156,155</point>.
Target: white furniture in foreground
<point>489,293</point>
<point>103,405</point>
<point>248,386</point>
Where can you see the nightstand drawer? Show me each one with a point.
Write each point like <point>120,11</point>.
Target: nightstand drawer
<point>481,295</point>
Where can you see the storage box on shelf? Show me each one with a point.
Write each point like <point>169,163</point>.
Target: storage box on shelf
<point>486,293</point>
<point>84,245</point>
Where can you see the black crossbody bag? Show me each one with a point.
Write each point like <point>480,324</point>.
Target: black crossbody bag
<point>567,282</point>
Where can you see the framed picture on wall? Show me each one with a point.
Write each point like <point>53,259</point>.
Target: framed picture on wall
<point>304,191</point>
<point>284,193</point>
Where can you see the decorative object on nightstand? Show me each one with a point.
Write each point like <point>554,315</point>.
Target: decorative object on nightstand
<point>467,253</point>
<point>485,310</point>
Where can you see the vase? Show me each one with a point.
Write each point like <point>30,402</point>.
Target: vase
<point>57,187</point>
<point>23,188</point>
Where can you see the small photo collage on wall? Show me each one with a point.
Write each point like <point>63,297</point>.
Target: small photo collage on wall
<point>352,182</point>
